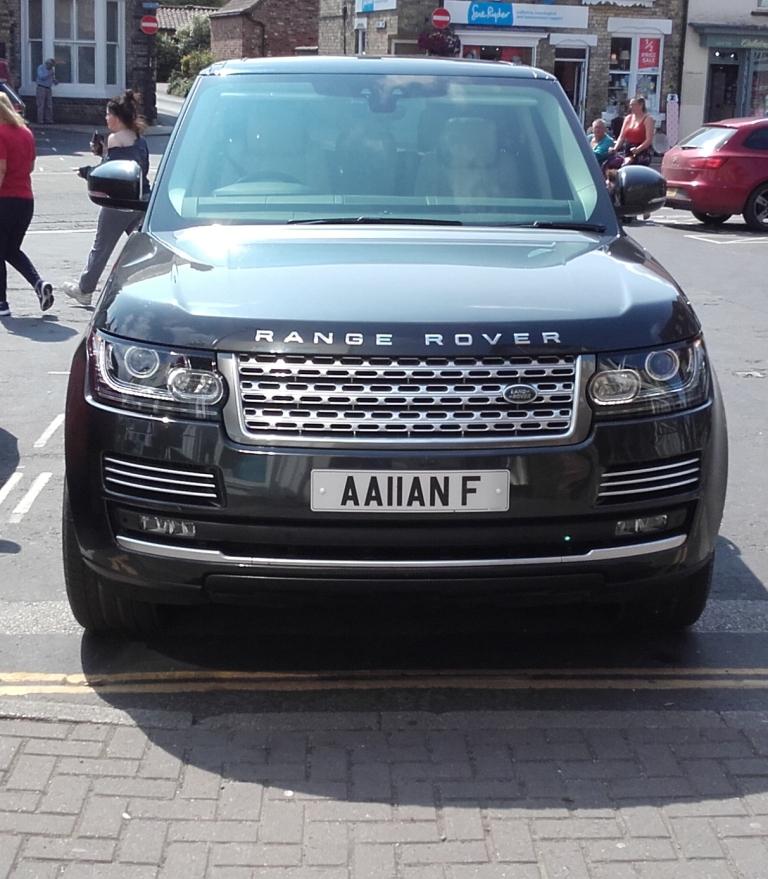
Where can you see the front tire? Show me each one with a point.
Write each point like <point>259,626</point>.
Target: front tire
<point>711,219</point>
<point>681,608</point>
<point>756,209</point>
<point>96,609</point>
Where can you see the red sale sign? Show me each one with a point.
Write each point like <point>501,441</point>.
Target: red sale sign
<point>648,53</point>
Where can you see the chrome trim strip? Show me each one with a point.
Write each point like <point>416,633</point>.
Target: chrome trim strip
<point>609,474</point>
<point>108,470</point>
<point>649,488</point>
<point>214,557</point>
<point>234,422</point>
<point>109,480</point>
<point>125,463</point>
<point>608,481</point>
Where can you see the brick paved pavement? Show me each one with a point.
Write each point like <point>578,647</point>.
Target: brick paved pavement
<point>474,795</point>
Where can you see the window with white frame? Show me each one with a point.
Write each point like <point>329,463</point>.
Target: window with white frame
<point>86,39</point>
<point>635,69</point>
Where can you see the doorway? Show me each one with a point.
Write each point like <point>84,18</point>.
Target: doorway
<point>571,72</point>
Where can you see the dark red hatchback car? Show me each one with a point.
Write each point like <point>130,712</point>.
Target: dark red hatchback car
<point>720,170</point>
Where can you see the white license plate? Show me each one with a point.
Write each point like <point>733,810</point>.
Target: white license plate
<point>410,491</point>
<point>672,193</point>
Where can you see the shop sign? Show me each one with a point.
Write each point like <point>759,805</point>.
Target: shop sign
<point>493,14</point>
<point>374,5</point>
<point>648,53</point>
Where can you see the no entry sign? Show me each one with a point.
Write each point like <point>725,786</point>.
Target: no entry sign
<point>441,17</point>
<point>148,24</point>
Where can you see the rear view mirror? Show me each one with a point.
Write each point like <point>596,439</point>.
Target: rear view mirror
<point>638,190</point>
<point>118,184</point>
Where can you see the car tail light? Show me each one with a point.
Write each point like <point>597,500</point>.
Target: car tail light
<point>708,162</point>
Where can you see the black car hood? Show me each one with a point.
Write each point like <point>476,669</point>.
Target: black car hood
<point>225,287</point>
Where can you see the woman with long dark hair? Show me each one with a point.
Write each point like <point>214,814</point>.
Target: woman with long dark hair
<point>17,161</point>
<point>125,141</point>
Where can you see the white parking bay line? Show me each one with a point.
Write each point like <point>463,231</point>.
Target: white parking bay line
<point>25,504</point>
<point>49,431</point>
<point>60,231</point>
<point>710,240</point>
<point>10,484</point>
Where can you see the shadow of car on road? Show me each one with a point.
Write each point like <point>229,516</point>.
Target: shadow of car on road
<point>354,708</point>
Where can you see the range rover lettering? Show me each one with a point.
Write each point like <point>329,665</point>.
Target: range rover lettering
<point>381,330</point>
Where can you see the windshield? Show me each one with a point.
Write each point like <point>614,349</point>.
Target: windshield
<point>708,139</point>
<point>277,148</point>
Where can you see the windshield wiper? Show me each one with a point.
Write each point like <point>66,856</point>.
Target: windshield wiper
<point>406,221</point>
<point>548,224</point>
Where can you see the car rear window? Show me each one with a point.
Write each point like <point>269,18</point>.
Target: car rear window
<point>708,138</point>
<point>758,140</point>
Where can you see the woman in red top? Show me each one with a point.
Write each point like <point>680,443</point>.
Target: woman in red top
<point>17,160</point>
<point>637,132</point>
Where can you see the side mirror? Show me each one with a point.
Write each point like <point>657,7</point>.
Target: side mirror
<point>638,190</point>
<point>118,184</point>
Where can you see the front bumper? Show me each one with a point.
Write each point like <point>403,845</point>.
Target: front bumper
<point>556,541</point>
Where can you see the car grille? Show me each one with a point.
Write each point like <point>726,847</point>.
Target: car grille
<point>647,481</point>
<point>326,396</point>
<point>161,481</point>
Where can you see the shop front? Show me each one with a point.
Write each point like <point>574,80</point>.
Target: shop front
<point>732,68</point>
<point>514,32</point>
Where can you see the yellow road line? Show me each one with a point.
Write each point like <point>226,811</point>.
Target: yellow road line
<point>368,675</point>
<point>205,683</point>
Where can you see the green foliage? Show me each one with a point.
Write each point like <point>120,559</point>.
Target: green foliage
<point>182,56</point>
<point>168,56</point>
<point>194,62</point>
<point>195,36</point>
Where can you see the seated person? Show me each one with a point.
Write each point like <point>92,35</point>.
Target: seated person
<point>600,141</point>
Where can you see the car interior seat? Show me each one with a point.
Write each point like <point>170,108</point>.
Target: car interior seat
<point>466,163</point>
<point>366,160</point>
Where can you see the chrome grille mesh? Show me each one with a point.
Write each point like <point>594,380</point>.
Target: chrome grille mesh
<point>160,481</point>
<point>404,397</point>
<point>625,483</point>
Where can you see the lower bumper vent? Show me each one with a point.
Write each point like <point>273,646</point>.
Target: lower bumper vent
<point>161,481</point>
<point>625,483</point>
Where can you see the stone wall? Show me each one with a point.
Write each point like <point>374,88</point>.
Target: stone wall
<point>271,27</point>
<point>236,36</point>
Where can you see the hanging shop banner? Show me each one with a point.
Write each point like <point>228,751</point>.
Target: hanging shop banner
<point>492,14</point>
<point>648,53</point>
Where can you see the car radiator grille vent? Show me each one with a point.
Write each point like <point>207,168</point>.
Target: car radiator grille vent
<point>625,483</point>
<point>405,397</point>
<point>161,481</point>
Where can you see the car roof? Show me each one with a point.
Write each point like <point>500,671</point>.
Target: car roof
<point>741,122</point>
<point>385,64</point>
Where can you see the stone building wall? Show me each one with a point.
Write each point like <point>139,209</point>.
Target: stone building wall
<point>236,36</point>
<point>270,27</point>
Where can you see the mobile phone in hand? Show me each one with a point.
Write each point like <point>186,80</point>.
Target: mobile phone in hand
<point>97,143</point>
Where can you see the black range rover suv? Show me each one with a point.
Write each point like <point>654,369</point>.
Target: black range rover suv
<point>381,330</point>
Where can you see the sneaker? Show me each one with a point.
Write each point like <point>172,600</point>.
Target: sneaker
<point>71,289</point>
<point>44,290</point>
<point>5,311</point>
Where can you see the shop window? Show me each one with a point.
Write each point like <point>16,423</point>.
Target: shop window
<point>513,54</point>
<point>635,69</point>
<point>759,84</point>
<point>35,28</point>
<point>83,36</point>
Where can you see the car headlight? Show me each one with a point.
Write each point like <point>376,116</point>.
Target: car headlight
<point>152,379</point>
<point>650,382</point>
